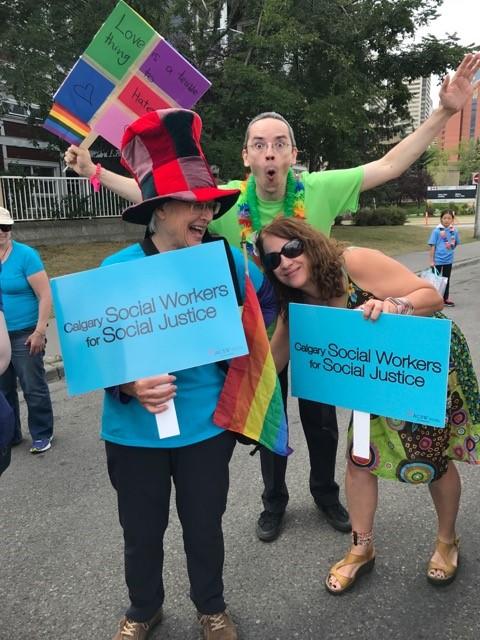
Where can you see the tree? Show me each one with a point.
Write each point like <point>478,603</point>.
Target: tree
<point>334,68</point>
<point>411,186</point>
<point>437,164</point>
<point>468,160</point>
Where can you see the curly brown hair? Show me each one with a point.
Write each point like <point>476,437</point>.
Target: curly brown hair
<point>324,256</point>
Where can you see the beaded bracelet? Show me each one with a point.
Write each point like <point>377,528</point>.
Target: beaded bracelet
<point>43,335</point>
<point>95,178</point>
<point>403,306</point>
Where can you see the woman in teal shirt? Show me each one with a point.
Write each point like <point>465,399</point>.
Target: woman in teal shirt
<point>27,305</point>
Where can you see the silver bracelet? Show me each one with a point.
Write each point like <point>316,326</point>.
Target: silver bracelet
<point>403,306</point>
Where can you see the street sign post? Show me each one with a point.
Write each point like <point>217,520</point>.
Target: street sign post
<point>476,226</point>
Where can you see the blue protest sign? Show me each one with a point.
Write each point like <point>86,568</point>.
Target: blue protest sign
<point>396,366</point>
<point>164,313</point>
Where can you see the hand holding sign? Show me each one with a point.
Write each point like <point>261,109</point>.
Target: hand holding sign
<point>127,70</point>
<point>153,392</point>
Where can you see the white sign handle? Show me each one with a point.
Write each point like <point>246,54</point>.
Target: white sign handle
<point>167,422</point>
<point>361,434</point>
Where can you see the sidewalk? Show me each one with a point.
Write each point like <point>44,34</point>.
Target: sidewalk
<point>465,254</point>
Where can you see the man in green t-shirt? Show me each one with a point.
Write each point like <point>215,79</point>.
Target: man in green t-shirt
<point>269,152</point>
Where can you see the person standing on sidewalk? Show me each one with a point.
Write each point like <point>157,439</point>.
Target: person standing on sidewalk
<point>443,241</point>
<point>28,302</point>
<point>180,198</point>
<point>269,152</point>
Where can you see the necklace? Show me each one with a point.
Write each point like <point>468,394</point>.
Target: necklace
<point>5,252</point>
<point>450,241</point>
<point>249,216</point>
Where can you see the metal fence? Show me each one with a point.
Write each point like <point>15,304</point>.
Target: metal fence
<point>31,198</point>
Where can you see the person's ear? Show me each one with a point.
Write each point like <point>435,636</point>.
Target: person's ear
<point>160,213</point>
<point>246,161</point>
<point>294,156</point>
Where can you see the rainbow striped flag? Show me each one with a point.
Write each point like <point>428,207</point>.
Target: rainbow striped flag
<point>65,125</point>
<point>251,399</point>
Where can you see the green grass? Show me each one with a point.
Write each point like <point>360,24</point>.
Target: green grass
<point>394,241</point>
<point>69,258</point>
<point>61,259</point>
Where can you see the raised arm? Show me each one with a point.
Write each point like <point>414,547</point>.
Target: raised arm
<point>386,278</point>
<point>454,94</point>
<point>79,159</point>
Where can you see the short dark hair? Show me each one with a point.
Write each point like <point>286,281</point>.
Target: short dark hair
<point>450,212</point>
<point>275,116</point>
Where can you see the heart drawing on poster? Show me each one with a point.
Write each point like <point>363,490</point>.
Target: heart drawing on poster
<point>84,91</point>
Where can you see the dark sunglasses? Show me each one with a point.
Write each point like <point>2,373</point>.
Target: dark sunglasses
<point>291,249</point>
<point>5,228</point>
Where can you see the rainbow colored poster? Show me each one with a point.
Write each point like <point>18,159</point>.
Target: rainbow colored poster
<point>127,70</point>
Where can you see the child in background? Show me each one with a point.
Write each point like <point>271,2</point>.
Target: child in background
<point>443,240</point>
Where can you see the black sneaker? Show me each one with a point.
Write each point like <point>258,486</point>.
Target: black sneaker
<point>449,303</point>
<point>269,525</point>
<point>337,516</point>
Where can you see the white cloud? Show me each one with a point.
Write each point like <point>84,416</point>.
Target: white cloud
<point>456,16</point>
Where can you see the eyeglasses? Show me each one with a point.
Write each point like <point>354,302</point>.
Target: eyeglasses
<point>201,207</point>
<point>292,249</point>
<point>5,228</point>
<point>280,146</point>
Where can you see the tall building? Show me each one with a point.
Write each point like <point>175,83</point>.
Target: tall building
<point>419,107</point>
<point>420,104</point>
<point>463,126</point>
<point>24,147</point>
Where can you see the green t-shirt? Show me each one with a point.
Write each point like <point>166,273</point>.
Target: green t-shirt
<point>327,195</point>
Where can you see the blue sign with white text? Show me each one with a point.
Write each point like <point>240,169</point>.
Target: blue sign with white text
<point>396,366</point>
<point>158,314</point>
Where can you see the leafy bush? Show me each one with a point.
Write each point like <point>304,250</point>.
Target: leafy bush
<point>343,216</point>
<point>381,216</point>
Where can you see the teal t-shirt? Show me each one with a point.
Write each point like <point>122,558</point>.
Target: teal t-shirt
<point>20,301</point>
<point>198,389</point>
<point>327,195</point>
<point>444,245</point>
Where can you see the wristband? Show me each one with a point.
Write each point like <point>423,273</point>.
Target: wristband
<point>95,179</point>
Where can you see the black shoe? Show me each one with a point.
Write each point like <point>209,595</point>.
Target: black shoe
<point>269,525</point>
<point>337,516</point>
<point>449,303</point>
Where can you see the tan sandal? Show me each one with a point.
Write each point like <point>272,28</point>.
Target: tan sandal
<point>365,562</point>
<point>448,568</point>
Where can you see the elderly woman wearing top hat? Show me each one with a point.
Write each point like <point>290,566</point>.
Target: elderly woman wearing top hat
<point>162,150</point>
<point>27,305</point>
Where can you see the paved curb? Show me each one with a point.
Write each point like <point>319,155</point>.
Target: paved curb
<point>54,372</point>
<point>467,262</point>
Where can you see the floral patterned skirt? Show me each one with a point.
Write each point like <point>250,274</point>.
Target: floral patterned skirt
<point>415,453</point>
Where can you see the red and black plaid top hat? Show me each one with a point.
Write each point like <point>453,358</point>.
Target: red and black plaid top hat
<point>162,150</point>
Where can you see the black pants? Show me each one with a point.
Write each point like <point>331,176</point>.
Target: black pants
<point>319,422</point>
<point>446,271</point>
<point>142,478</point>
